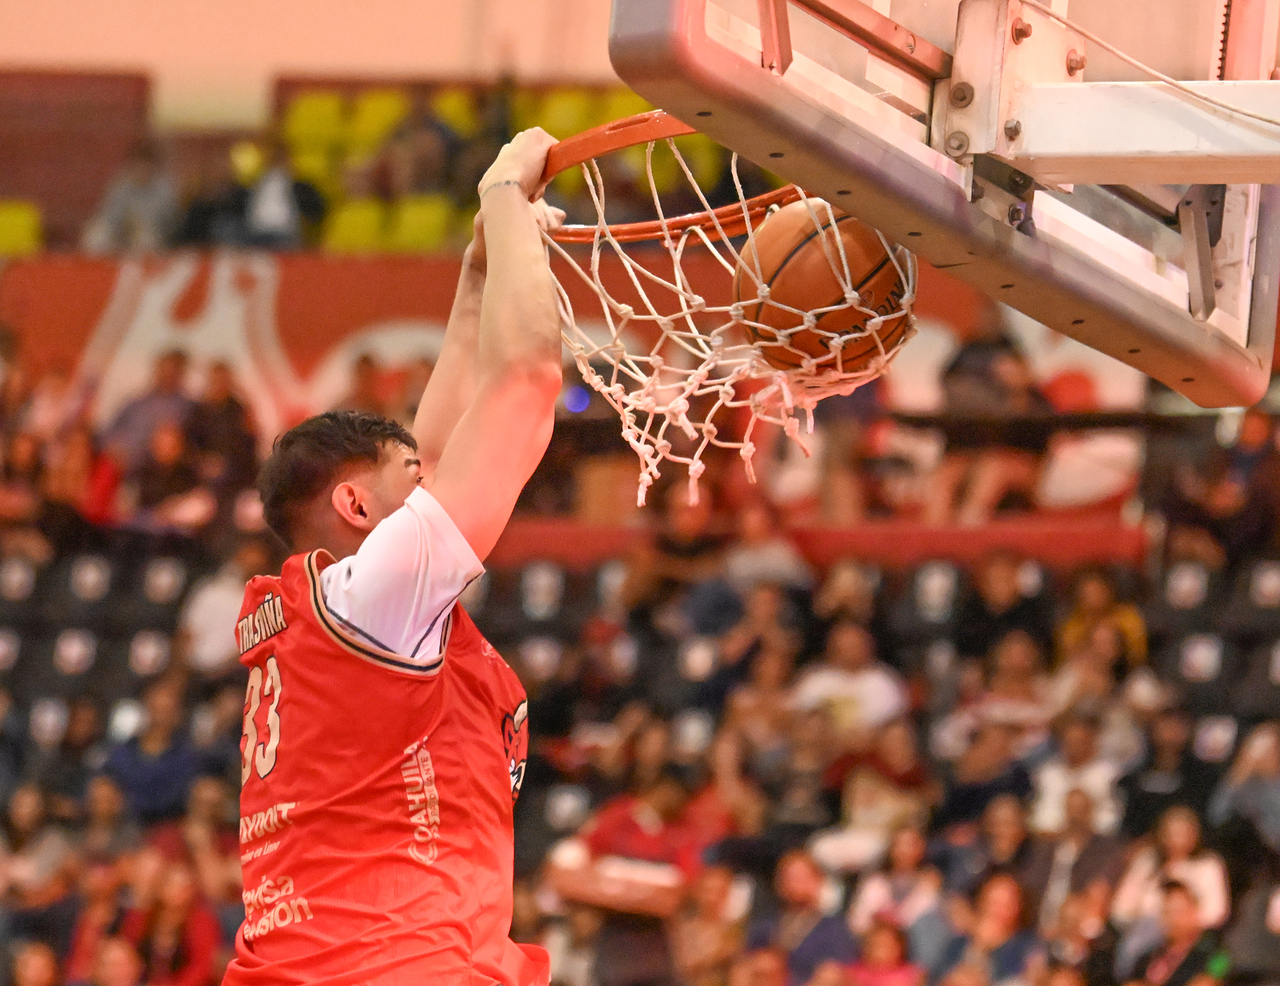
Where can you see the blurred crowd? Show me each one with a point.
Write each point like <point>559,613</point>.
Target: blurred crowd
<point>1001,776</point>
<point>387,171</point>
<point>841,777</point>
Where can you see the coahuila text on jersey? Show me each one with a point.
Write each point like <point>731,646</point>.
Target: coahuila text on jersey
<point>265,621</point>
<point>424,803</point>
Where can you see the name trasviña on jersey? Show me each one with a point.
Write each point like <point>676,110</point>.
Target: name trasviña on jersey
<point>265,621</point>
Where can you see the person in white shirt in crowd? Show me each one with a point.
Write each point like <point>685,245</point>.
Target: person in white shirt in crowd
<point>762,553</point>
<point>1076,765</point>
<point>858,692</point>
<point>203,642</point>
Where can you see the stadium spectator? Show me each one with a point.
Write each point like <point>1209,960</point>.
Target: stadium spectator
<point>984,771</point>
<point>38,872</point>
<point>366,392</point>
<point>885,788</point>
<point>762,553</point>
<point>633,947</point>
<point>128,437</point>
<point>139,211</point>
<point>706,936</point>
<point>884,960</point>
<point>1251,789</point>
<point>117,964</point>
<point>280,210</point>
<point>999,605</point>
<point>1073,862</point>
<point>1001,844</point>
<point>858,692</point>
<point>907,893</point>
<point>1214,517</point>
<point>1177,855</point>
<point>1188,953</point>
<point>1094,603</point>
<point>203,644</point>
<point>802,930</point>
<point>156,768</point>
<point>167,494</point>
<point>64,771</point>
<point>222,437</point>
<point>35,964</point>
<point>996,454</point>
<point>176,937</point>
<point>995,937</point>
<point>1076,765</point>
<point>205,839</point>
<point>101,911</point>
<point>108,832</point>
<point>1170,774</point>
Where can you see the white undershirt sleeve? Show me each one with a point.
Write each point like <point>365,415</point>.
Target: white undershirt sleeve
<point>397,591</point>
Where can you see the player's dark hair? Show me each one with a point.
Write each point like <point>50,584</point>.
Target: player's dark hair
<point>310,458</point>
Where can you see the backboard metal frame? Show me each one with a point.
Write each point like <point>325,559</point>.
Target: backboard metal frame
<point>884,158</point>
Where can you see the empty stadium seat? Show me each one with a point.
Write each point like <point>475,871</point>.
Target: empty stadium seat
<point>927,610</point>
<point>314,120</point>
<point>421,223</point>
<point>1184,601</point>
<point>151,596</point>
<point>1253,608</point>
<point>19,582</point>
<point>1203,668</point>
<point>1256,694</point>
<point>62,664</point>
<point>21,228</point>
<point>80,592</point>
<point>375,114</point>
<point>455,107</point>
<point>357,226</point>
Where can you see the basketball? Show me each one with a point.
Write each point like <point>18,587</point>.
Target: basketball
<point>795,266</point>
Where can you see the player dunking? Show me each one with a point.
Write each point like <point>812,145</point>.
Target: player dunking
<point>384,739</point>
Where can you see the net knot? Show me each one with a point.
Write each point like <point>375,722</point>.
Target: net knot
<point>736,311</point>
<point>810,320</point>
<point>697,303</point>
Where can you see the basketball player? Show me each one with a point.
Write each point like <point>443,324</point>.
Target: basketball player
<point>384,739</point>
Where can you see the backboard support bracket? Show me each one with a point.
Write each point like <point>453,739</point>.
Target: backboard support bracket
<point>703,64</point>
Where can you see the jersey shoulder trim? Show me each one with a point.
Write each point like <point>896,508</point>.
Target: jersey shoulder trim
<point>360,644</point>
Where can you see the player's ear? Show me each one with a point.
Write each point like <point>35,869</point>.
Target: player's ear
<point>351,502</point>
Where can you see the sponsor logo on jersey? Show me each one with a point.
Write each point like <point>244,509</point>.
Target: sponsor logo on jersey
<point>515,739</point>
<point>271,905</point>
<point>265,621</point>
<point>424,802</point>
<point>266,822</point>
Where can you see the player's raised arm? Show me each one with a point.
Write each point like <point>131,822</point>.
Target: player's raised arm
<point>452,386</point>
<point>503,434</point>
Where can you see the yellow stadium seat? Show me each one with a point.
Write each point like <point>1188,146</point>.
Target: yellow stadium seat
<point>314,120</point>
<point>455,107</point>
<point>316,165</point>
<point>421,223</point>
<point>21,232</point>
<point>565,112</point>
<point>705,158</point>
<point>374,117</point>
<point>620,103</point>
<point>524,107</point>
<point>356,226</point>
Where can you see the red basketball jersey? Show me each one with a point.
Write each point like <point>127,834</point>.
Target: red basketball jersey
<point>376,809</point>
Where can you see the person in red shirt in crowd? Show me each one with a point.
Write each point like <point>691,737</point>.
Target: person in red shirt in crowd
<point>177,936</point>
<point>385,740</point>
<point>632,949</point>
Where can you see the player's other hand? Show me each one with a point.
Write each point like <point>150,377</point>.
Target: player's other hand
<point>548,217</point>
<point>522,161</point>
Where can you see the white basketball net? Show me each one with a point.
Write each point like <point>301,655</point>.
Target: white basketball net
<point>655,360</point>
